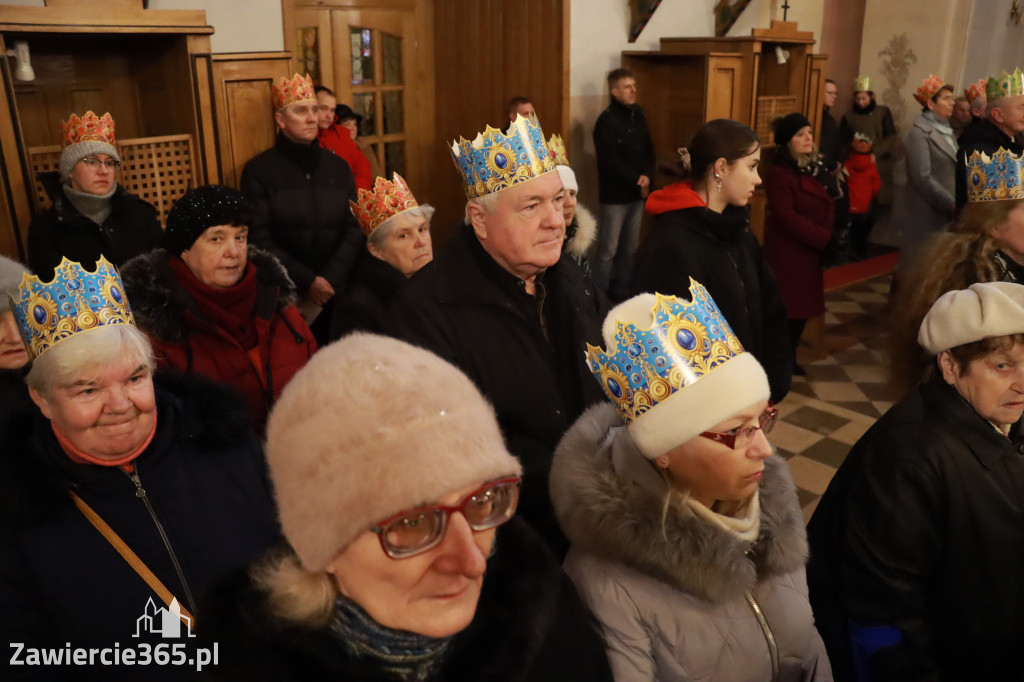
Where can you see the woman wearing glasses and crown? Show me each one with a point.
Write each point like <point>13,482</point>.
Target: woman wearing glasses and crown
<point>687,537</point>
<point>91,214</point>
<point>404,561</point>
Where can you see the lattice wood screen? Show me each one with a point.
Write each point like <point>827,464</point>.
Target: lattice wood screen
<point>157,169</point>
<point>769,109</point>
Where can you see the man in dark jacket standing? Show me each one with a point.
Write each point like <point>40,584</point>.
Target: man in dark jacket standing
<point>1002,127</point>
<point>502,303</point>
<point>301,192</point>
<point>832,154</point>
<point>625,166</point>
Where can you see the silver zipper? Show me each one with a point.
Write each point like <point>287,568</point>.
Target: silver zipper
<point>769,636</point>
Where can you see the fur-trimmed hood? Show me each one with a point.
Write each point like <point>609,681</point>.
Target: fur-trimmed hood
<point>586,232</point>
<point>612,517</point>
<point>159,302</point>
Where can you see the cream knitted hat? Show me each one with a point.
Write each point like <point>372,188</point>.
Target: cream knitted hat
<point>369,427</point>
<point>982,311</point>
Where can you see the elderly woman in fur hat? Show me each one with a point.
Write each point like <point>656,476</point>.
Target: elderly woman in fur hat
<point>918,544</point>
<point>687,537</point>
<point>211,303</point>
<point>403,559</point>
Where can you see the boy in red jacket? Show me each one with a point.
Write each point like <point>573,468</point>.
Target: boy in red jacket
<point>863,184</point>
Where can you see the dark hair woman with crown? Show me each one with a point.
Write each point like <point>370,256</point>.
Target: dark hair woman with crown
<point>701,229</point>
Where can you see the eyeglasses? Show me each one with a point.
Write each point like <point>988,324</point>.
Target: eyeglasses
<point>413,532</point>
<point>737,439</point>
<point>95,164</point>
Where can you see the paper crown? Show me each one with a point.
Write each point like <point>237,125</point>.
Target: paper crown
<point>975,90</point>
<point>88,128</point>
<point>75,301</point>
<point>557,148</point>
<point>292,91</point>
<point>387,200</point>
<point>931,85</point>
<point>1005,85</point>
<point>995,178</point>
<point>494,161</point>
<point>862,84</point>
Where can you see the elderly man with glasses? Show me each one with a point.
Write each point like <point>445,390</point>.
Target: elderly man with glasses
<point>91,215</point>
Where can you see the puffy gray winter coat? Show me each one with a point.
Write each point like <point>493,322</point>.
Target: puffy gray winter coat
<point>675,594</point>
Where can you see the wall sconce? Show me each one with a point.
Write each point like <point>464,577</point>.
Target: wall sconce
<point>23,63</point>
<point>781,56</point>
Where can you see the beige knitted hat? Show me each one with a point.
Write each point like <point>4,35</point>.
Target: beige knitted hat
<point>369,427</point>
<point>982,311</point>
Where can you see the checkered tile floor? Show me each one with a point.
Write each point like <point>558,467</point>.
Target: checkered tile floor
<point>842,395</point>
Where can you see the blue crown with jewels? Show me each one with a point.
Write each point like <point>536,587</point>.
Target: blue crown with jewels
<point>687,340</point>
<point>494,161</point>
<point>73,302</point>
<point>995,178</point>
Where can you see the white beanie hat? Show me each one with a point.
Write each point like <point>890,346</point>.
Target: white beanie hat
<point>674,368</point>
<point>568,178</point>
<point>982,311</point>
<point>372,426</point>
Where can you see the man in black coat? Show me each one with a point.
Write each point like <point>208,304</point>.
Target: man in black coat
<point>1002,127</point>
<point>302,192</point>
<point>832,154</point>
<point>625,168</point>
<point>503,304</point>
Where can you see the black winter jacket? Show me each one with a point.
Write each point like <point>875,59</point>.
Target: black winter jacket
<point>61,231</point>
<point>303,217</point>
<point>62,582</point>
<point>364,306</point>
<point>530,626</point>
<point>922,530</point>
<point>719,251</point>
<point>982,136</point>
<point>468,310</point>
<point>624,153</point>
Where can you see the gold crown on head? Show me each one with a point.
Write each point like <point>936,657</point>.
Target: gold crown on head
<point>88,128</point>
<point>494,161</point>
<point>557,148</point>
<point>862,84</point>
<point>931,85</point>
<point>1005,85</point>
<point>387,200</point>
<point>288,91</point>
<point>975,90</point>
<point>73,302</point>
<point>995,178</point>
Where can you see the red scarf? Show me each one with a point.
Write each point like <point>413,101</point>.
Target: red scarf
<point>79,457</point>
<point>231,308</point>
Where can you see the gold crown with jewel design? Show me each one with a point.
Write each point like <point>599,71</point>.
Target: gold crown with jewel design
<point>494,161</point>
<point>862,84</point>
<point>74,301</point>
<point>975,90</point>
<point>288,91</point>
<point>557,147</point>
<point>1005,85</point>
<point>387,200</point>
<point>995,178</point>
<point>88,128</point>
<point>931,85</point>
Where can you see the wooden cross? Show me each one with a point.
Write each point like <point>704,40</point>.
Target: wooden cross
<point>785,9</point>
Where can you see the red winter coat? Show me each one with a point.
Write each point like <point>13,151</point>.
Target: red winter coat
<point>864,183</point>
<point>338,140</point>
<point>799,226</point>
<point>184,338</point>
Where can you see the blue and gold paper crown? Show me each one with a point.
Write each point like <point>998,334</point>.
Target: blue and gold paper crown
<point>75,301</point>
<point>494,161</point>
<point>687,341</point>
<point>995,178</point>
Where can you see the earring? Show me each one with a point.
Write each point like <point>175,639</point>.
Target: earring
<point>718,182</point>
<point>663,461</point>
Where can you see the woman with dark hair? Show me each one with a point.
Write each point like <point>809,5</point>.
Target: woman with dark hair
<point>701,230</point>
<point>931,170</point>
<point>211,303</point>
<point>800,215</point>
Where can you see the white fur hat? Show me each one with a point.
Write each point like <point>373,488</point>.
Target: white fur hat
<point>984,310</point>
<point>10,279</point>
<point>369,427</point>
<point>568,178</point>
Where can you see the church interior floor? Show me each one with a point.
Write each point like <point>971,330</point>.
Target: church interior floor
<point>842,394</point>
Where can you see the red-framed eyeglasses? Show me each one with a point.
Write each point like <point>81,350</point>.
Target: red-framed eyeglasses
<point>741,437</point>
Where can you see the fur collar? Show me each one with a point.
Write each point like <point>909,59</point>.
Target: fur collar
<point>604,514</point>
<point>159,302</point>
<point>209,416</point>
<point>586,233</point>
